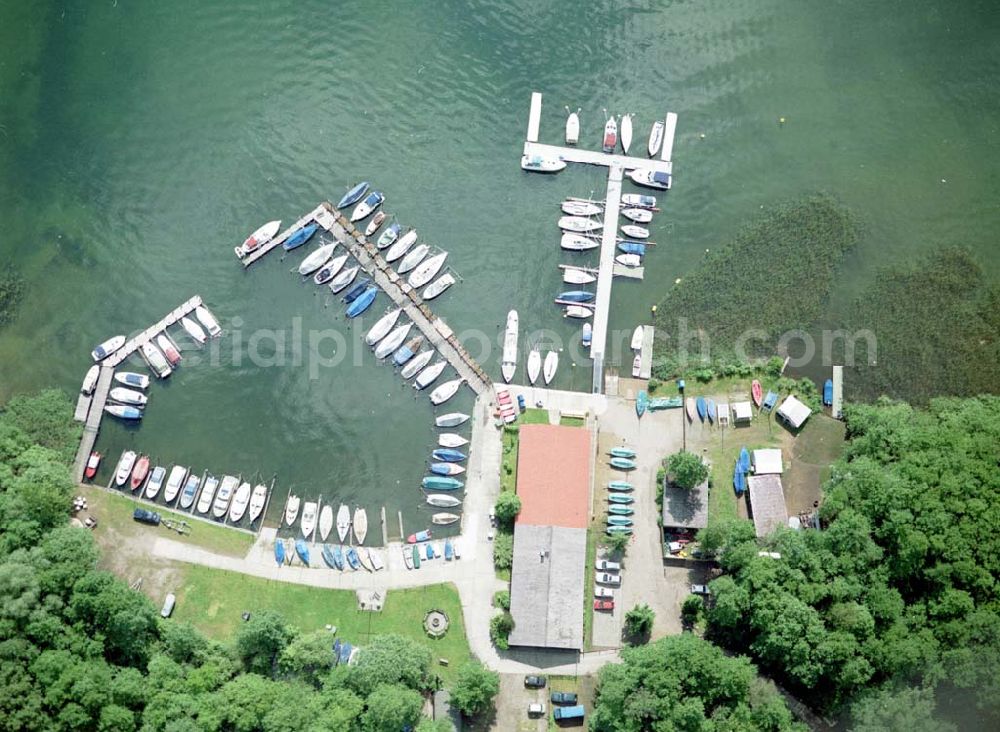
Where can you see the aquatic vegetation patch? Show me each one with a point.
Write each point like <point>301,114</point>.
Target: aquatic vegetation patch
<point>11,294</point>
<point>936,326</point>
<point>774,276</point>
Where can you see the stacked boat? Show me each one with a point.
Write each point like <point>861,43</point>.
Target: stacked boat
<point>620,501</point>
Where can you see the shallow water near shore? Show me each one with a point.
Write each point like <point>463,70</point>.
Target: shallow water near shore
<point>139,144</point>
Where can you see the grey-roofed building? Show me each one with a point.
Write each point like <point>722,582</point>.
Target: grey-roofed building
<point>767,503</point>
<point>685,509</point>
<point>547,584</point>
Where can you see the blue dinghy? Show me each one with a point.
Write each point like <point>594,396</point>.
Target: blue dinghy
<point>576,296</point>
<point>710,406</point>
<point>363,302</point>
<point>352,558</point>
<point>702,408</point>
<point>354,195</point>
<point>443,468</point>
<point>338,556</point>
<point>632,247</point>
<point>302,549</point>
<point>828,392</point>
<point>355,292</point>
<point>623,463</point>
<point>625,452</point>
<point>448,455</point>
<point>739,480</point>
<point>428,551</point>
<point>744,461</point>
<point>328,557</point>
<point>300,237</point>
<point>449,550</point>
<point>441,483</point>
<point>641,402</point>
<point>279,552</point>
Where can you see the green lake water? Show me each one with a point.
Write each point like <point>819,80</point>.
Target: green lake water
<point>140,142</point>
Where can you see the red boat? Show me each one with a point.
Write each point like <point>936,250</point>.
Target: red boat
<point>610,135</point>
<point>756,392</point>
<point>93,462</point>
<point>168,348</point>
<point>139,472</point>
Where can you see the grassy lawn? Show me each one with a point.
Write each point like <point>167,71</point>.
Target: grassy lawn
<point>213,600</point>
<point>114,511</point>
<point>535,416</point>
<point>571,422</point>
<point>508,464</point>
<point>594,532</point>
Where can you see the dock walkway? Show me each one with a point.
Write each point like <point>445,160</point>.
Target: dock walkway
<point>434,329</point>
<point>106,380</point>
<point>280,238</point>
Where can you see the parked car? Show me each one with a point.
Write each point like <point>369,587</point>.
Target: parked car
<point>605,565</point>
<point>604,604</point>
<point>574,712</point>
<point>563,697</point>
<point>608,579</point>
<point>168,605</point>
<point>146,517</point>
<point>700,590</point>
<point>536,709</point>
<point>603,592</point>
<point>534,682</point>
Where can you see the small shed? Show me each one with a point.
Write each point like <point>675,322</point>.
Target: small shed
<point>793,412</point>
<point>767,462</point>
<point>742,412</point>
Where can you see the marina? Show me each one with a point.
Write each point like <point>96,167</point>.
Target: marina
<point>617,165</point>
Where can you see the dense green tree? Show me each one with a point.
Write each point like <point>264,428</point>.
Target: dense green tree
<point>46,419</point>
<point>639,622</point>
<point>500,628</point>
<point>898,710</point>
<point>308,656</point>
<point>503,550</point>
<point>692,609</point>
<point>244,700</point>
<point>391,708</point>
<point>182,642</point>
<point>686,470</point>
<point>507,507</point>
<point>391,659</point>
<point>126,618</point>
<point>434,725</point>
<point>260,640</point>
<point>475,688</point>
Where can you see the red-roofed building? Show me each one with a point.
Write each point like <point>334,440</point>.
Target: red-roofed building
<point>553,475</point>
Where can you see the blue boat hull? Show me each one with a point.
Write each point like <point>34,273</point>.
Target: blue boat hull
<point>710,407</point>
<point>428,551</point>
<point>632,247</point>
<point>449,551</point>
<point>338,557</point>
<point>300,237</point>
<point>744,462</point>
<point>354,195</point>
<point>355,292</point>
<point>440,483</point>
<point>739,480</point>
<point>328,557</point>
<point>403,355</point>
<point>448,455</point>
<point>828,392</point>
<point>622,464</point>
<point>701,407</point>
<point>352,558</point>
<point>279,552</point>
<point>362,303</point>
<point>641,401</point>
<point>577,296</point>
<point>441,468</point>
<point>302,549</point>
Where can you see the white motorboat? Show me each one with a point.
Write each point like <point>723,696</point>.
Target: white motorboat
<point>157,361</point>
<point>125,465</point>
<point>450,439</point>
<point>638,199</point>
<point>257,500</point>
<point>208,320</point>
<point>178,474</point>
<point>387,237</point>
<point>325,522</point>
<point>446,391</point>
<point>655,138</point>
<point>626,132</point>
<point>508,360</point>
<point>629,260</point>
<point>291,510</point>
<point>638,215</point>
<point>429,375</point>
<point>448,469</point>
<point>392,341</point>
<point>550,366</point>
<point>128,396</point>
<point>580,208</point>
<point>534,364</point>
<point>438,286</point>
<point>578,311</point>
<point>107,348</point>
<point>573,128</point>
<point>132,379</point>
<point>364,209</point>
<point>207,494</point>
<point>124,411</point>
<point>452,419</point>
<point>577,243</point>
<point>443,500</point>
<point>240,501</point>
<point>166,345</point>
<point>90,380</point>
<point>375,224</point>
<point>193,329</point>
<point>443,519</point>
<point>330,270</point>
<point>413,258</point>
<point>637,336</point>
<point>360,525</point>
<point>578,277</point>
<point>258,239</point>
<point>382,326</point>
<point>344,279</point>
<point>308,518</point>
<point>155,481</point>
<point>636,366</point>
<point>375,557</point>
<point>541,164</point>
<point>651,179</point>
<point>226,490</point>
<point>635,231</point>
<point>427,271</point>
<point>610,135</point>
<point>343,522</point>
<point>316,259</point>
<point>416,363</point>
<point>402,246</point>
<point>579,224</point>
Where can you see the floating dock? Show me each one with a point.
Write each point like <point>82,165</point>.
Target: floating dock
<point>646,354</point>
<point>617,165</point>
<point>105,381</point>
<point>280,238</point>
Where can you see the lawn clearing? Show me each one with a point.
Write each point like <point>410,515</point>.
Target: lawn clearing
<point>213,600</point>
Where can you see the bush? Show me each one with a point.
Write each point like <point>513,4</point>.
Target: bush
<point>507,507</point>
<point>652,385</point>
<point>692,609</point>
<point>639,622</point>
<point>500,629</point>
<point>503,550</point>
<point>687,469</point>
<point>618,542</point>
<point>502,600</point>
<point>475,689</point>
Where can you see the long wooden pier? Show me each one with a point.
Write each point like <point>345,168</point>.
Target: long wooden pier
<point>105,380</point>
<point>434,329</point>
<point>616,165</point>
